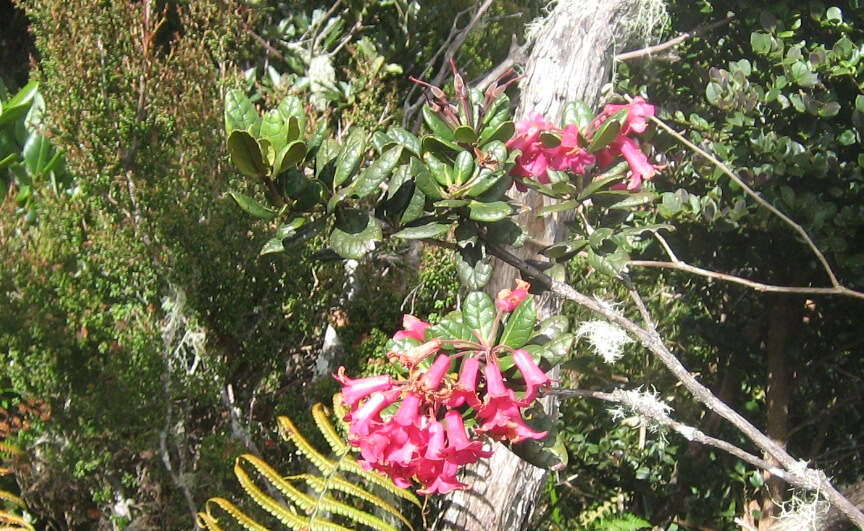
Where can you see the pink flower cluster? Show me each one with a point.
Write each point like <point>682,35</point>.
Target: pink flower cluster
<point>413,429</point>
<point>536,158</point>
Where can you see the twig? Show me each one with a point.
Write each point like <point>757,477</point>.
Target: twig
<point>758,286</point>
<point>267,46</point>
<point>515,56</point>
<point>650,338</point>
<point>312,30</point>
<point>840,289</point>
<point>671,42</point>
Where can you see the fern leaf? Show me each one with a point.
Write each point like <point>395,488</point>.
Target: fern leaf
<point>310,504</point>
<point>349,464</point>
<point>242,518</point>
<point>9,449</point>
<point>13,519</point>
<point>205,521</point>
<point>289,432</point>
<point>283,514</point>
<point>322,420</point>
<point>337,483</point>
<point>5,470</point>
<point>15,500</point>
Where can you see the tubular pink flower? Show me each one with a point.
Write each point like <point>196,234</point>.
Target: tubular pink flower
<point>432,378</point>
<point>460,449</point>
<point>495,387</point>
<point>528,132</point>
<point>408,410</point>
<point>509,300</point>
<point>504,422</point>
<point>466,386</point>
<point>413,328</point>
<point>417,354</point>
<point>362,420</point>
<point>354,390</point>
<point>532,374</point>
<point>435,443</point>
<point>445,482</point>
<point>568,155</point>
<point>532,163</point>
<point>640,168</point>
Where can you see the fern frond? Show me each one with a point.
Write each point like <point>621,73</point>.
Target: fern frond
<point>309,504</point>
<point>15,500</point>
<point>242,518</point>
<point>205,521</point>
<point>15,520</point>
<point>5,470</point>
<point>322,420</point>
<point>9,449</point>
<point>290,433</point>
<point>349,464</point>
<point>283,514</point>
<point>320,485</point>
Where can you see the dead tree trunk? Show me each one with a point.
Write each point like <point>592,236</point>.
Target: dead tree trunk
<point>571,59</point>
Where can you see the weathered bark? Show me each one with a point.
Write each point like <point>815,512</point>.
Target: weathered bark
<point>785,318</point>
<point>571,59</point>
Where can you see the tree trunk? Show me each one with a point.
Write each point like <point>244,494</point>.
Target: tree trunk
<point>571,59</point>
<point>785,319</point>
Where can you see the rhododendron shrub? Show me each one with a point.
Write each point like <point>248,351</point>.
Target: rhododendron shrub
<point>610,135</point>
<point>479,367</point>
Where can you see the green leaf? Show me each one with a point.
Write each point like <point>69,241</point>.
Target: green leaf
<point>635,199</point>
<point>274,128</point>
<point>488,212</point>
<point>289,156</point>
<point>520,324</point>
<point>424,180</point>
<point>438,126</point>
<point>551,328</point>
<point>502,133</point>
<point>550,452</point>
<point>483,181</point>
<point>430,230</point>
<point>565,250</point>
<point>8,159</point>
<point>451,327</point>
<point>505,232</point>
<point>349,158</point>
<point>246,154</point>
<point>39,155</point>
<point>550,139</point>
<point>325,160</point>
<point>273,245</point>
<point>450,203</point>
<point>609,264</point>
<point>473,277</point>
<point>377,172</point>
<point>463,168</point>
<point>415,207</point>
<point>713,92</point>
<point>577,113</point>
<point>608,131</point>
<point>557,207</point>
<point>439,147</point>
<point>761,42</point>
<point>606,178</point>
<point>355,234</point>
<point>18,106</point>
<point>478,313</point>
<point>252,207</point>
<point>557,349</point>
<point>406,139</point>
<point>291,108</point>
<point>240,114</point>
<point>464,135</point>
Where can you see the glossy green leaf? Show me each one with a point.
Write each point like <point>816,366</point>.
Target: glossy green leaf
<point>483,181</point>
<point>372,177</point>
<point>550,139</point>
<point>429,230</point>
<point>451,327</point>
<point>406,139</point>
<point>246,154</point>
<point>463,168</point>
<point>290,156</point>
<point>271,246</point>
<point>39,155</point>
<point>577,113</point>
<point>436,125</point>
<point>325,160</point>
<point>355,234</point>
<point>464,135</point>
<point>557,349</point>
<point>424,180</point>
<point>520,324</point>
<point>603,180</point>
<point>450,203</point>
<point>240,114</point>
<point>565,250</point>
<point>415,208</point>
<point>252,207</point>
<point>478,313</point>
<point>551,328</point>
<point>19,104</point>
<point>608,131</point>
<point>505,232</point>
<point>439,147</point>
<point>609,264</point>
<point>502,133</point>
<point>635,199</point>
<point>474,273</point>
<point>488,212</point>
<point>557,207</point>
<point>350,156</point>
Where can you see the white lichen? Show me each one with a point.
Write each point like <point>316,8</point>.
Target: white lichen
<point>185,340</point>
<point>801,513</point>
<point>607,339</point>
<point>645,405</point>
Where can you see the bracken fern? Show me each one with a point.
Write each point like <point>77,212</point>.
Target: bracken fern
<point>309,503</point>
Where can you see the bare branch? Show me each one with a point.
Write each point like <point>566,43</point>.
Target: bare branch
<point>840,289</point>
<point>515,56</point>
<point>650,50</point>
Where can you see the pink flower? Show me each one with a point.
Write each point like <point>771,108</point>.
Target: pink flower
<point>364,419</point>
<point>640,168</point>
<point>528,132</point>
<point>406,415</point>
<point>466,386</point>
<point>532,374</point>
<point>445,481</point>
<point>568,155</point>
<point>417,354</point>
<point>509,300</point>
<point>440,367</point>
<point>354,390</point>
<point>500,410</point>
<point>413,328</point>
<point>460,449</point>
<point>532,163</point>
<point>637,111</point>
